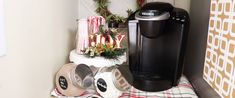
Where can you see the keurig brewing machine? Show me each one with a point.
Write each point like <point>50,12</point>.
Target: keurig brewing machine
<point>157,42</point>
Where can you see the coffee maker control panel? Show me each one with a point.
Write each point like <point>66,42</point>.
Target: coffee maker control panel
<point>180,16</point>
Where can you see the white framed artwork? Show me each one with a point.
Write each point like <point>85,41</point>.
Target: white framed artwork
<point>2,31</point>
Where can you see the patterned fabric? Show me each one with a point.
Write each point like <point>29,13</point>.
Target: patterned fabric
<point>183,90</point>
<point>219,68</point>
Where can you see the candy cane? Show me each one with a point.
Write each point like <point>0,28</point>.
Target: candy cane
<point>82,36</point>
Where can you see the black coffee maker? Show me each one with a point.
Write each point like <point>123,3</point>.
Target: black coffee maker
<point>157,42</point>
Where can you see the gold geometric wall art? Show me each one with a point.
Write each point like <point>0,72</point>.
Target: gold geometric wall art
<point>219,66</point>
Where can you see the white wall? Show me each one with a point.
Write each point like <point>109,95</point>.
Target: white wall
<point>2,31</point>
<point>185,4</point>
<point>87,7</point>
<point>39,37</point>
<point>168,1</point>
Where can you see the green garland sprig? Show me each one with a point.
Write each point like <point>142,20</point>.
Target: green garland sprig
<point>102,9</point>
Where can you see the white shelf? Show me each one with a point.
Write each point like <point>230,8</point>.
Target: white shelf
<point>96,61</point>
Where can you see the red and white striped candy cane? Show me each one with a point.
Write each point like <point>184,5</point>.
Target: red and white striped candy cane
<point>94,23</point>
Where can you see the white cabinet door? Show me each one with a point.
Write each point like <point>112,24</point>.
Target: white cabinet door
<point>2,33</point>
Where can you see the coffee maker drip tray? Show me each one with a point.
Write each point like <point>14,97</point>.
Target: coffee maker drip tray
<point>152,83</point>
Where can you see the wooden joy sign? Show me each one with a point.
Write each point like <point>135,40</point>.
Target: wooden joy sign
<point>100,39</point>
